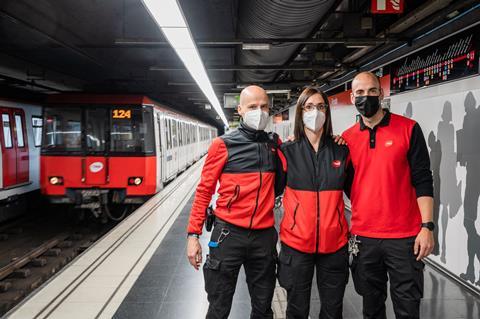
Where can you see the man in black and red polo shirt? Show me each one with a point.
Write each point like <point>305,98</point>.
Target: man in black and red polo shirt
<point>243,162</point>
<point>392,204</point>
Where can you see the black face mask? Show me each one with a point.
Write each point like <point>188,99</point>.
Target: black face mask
<point>367,105</point>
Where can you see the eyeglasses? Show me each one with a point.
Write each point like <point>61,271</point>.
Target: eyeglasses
<point>310,107</point>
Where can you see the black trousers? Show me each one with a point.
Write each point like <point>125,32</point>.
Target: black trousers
<point>256,251</point>
<point>379,260</point>
<point>295,274</point>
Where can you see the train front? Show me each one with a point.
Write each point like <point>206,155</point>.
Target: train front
<point>98,155</point>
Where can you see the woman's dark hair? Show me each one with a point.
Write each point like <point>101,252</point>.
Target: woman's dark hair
<point>298,130</point>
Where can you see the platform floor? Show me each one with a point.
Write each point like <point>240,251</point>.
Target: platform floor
<point>140,270</point>
<point>170,288</point>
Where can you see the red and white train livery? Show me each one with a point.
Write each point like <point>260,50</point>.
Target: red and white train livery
<point>104,151</point>
<point>20,138</point>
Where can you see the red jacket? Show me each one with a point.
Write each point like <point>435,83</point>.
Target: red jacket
<point>314,212</point>
<point>244,163</point>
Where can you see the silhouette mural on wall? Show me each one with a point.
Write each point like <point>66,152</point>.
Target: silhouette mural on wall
<point>450,190</point>
<point>435,160</point>
<point>468,150</point>
<point>409,110</point>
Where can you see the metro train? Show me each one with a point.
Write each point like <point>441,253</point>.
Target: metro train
<point>20,135</point>
<point>105,152</point>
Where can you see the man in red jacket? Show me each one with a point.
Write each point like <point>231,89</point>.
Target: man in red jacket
<point>392,204</point>
<point>243,162</point>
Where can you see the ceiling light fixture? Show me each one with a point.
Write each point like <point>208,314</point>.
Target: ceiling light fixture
<point>169,18</point>
<point>255,46</point>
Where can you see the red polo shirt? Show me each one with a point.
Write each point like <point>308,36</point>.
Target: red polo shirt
<point>392,168</point>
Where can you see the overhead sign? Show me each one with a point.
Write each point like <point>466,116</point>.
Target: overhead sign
<point>231,100</point>
<point>387,6</point>
<point>450,59</point>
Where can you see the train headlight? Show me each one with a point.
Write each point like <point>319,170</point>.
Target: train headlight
<point>56,180</point>
<point>135,181</point>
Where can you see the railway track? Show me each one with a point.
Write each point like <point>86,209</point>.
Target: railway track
<point>32,250</point>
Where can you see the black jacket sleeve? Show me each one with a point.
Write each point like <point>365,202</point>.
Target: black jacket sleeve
<point>419,161</point>
<point>280,173</point>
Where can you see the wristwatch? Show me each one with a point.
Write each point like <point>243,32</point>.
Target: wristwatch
<point>429,225</point>
<point>193,235</point>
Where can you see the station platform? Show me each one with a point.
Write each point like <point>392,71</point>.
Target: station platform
<point>140,270</point>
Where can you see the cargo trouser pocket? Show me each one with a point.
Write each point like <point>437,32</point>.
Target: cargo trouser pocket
<point>284,270</point>
<point>217,280</point>
<point>417,273</point>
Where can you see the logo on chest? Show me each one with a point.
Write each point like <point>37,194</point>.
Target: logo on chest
<point>336,163</point>
<point>388,143</point>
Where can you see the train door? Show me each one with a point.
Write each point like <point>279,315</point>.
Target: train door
<point>184,146</point>
<point>161,148</point>
<point>175,143</point>
<point>169,160</point>
<point>15,158</point>
<point>180,146</point>
<point>95,164</point>
<point>191,151</point>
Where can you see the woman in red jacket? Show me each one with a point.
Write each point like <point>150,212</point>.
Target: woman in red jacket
<point>313,231</point>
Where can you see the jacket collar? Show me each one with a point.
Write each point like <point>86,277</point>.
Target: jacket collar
<point>250,133</point>
<point>384,122</point>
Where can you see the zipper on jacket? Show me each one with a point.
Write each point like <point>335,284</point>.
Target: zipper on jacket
<point>234,197</point>
<point>259,186</point>
<point>318,222</point>
<point>340,219</point>
<point>295,216</point>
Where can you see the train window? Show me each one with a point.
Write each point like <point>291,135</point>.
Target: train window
<point>184,136</point>
<point>169,134</point>
<point>179,128</point>
<point>131,134</point>
<point>19,130</point>
<point>37,123</point>
<point>174,133</point>
<point>7,131</point>
<point>95,129</point>
<point>63,129</point>
<point>159,132</point>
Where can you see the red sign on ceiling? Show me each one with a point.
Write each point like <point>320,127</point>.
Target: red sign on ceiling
<point>387,6</point>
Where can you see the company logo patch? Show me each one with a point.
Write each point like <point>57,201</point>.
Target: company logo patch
<point>336,163</point>
<point>388,143</point>
<point>96,167</point>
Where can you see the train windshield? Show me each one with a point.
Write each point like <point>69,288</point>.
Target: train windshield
<point>98,130</point>
<point>132,130</point>
<point>63,130</point>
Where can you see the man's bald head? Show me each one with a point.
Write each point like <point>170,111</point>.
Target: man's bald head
<point>366,76</point>
<point>366,83</point>
<point>251,98</point>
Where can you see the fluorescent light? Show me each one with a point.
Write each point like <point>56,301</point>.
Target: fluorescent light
<point>278,91</point>
<point>255,46</point>
<point>357,46</point>
<point>168,15</point>
<point>179,38</point>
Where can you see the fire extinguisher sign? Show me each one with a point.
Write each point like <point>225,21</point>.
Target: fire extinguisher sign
<point>387,6</point>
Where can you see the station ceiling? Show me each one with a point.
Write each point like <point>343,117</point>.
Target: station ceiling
<point>114,46</point>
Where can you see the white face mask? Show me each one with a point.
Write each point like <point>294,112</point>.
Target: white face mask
<point>256,119</point>
<point>314,120</point>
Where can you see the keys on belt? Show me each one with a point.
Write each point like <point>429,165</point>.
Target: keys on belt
<point>353,248</point>
<point>223,234</point>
